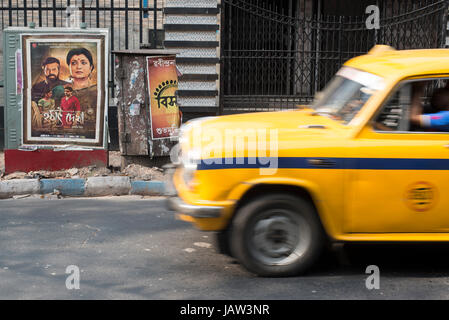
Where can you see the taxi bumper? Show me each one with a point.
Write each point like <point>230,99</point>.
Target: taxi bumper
<point>195,211</point>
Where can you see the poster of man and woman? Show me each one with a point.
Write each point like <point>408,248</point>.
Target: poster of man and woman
<point>64,79</point>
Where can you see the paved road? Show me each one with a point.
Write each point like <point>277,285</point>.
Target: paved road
<point>131,248</point>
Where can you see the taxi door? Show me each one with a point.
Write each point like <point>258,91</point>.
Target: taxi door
<point>397,180</point>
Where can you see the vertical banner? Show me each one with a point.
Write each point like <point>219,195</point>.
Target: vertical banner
<point>19,72</point>
<point>64,89</point>
<point>163,84</point>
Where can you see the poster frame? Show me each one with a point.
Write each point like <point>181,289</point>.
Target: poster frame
<point>102,89</point>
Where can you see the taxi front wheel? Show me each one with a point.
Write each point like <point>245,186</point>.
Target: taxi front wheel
<point>277,235</point>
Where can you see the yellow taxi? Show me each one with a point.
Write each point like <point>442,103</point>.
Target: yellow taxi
<point>277,186</point>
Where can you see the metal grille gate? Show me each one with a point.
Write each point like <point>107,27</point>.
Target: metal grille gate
<point>127,19</point>
<point>277,54</point>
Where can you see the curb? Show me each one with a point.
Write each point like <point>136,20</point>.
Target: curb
<point>144,188</point>
<point>90,187</point>
<point>104,186</point>
<point>12,188</point>
<point>67,187</point>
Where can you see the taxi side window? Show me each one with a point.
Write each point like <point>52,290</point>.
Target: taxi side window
<point>395,114</point>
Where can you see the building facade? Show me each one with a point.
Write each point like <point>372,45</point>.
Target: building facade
<point>242,55</point>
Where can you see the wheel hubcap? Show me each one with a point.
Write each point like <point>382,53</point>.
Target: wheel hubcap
<point>279,237</point>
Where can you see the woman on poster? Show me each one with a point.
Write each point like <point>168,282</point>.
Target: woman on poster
<point>81,66</point>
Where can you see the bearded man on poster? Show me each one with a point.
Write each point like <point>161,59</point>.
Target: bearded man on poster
<point>51,67</point>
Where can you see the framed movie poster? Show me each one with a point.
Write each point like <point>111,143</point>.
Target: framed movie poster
<point>163,84</point>
<point>65,89</point>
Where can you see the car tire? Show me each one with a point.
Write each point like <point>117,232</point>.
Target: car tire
<point>277,235</point>
<point>222,243</point>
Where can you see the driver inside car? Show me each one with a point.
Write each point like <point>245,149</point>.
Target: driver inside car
<point>439,120</point>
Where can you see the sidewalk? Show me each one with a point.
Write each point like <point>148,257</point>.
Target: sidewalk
<point>88,181</point>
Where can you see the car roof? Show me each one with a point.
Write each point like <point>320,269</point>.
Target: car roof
<point>389,63</point>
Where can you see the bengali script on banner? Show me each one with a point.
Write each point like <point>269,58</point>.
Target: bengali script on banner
<point>163,84</point>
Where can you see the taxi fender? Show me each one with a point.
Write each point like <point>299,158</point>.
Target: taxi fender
<point>313,190</point>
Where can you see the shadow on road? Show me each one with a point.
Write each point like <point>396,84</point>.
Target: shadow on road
<point>408,259</point>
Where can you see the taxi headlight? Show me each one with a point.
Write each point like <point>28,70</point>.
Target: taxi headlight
<point>190,162</point>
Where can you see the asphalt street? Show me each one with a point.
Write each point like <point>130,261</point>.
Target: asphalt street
<point>132,248</point>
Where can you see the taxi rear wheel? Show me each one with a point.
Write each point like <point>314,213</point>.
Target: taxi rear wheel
<point>277,235</point>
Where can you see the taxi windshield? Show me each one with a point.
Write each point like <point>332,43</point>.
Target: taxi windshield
<point>346,94</point>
